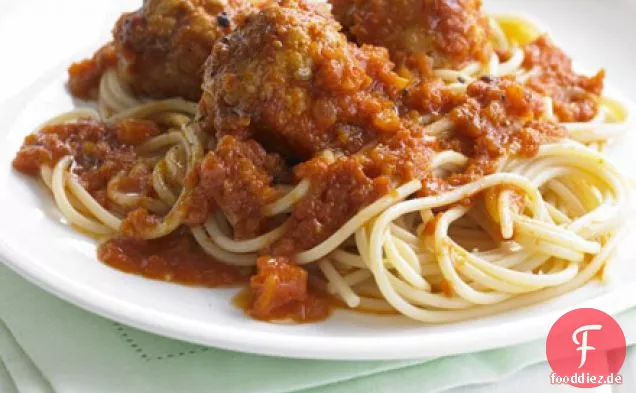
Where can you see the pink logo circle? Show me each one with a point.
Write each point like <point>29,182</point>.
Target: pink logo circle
<point>586,348</point>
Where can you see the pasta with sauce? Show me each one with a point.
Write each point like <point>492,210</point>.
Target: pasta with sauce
<point>430,172</point>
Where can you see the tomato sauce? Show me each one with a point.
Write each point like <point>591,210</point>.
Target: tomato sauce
<point>280,291</point>
<point>176,258</point>
<point>84,76</point>
<point>575,97</point>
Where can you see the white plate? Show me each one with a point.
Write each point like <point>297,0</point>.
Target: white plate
<point>37,245</point>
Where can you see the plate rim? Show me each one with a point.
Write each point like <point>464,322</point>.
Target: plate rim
<point>415,346</point>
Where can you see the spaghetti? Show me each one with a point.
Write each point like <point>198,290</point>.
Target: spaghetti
<point>537,227</point>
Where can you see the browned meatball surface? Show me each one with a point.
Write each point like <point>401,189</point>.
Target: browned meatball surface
<point>452,32</point>
<point>289,79</point>
<point>162,46</point>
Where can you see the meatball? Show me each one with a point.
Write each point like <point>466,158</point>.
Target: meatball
<point>452,32</point>
<point>290,79</point>
<point>162,47</point>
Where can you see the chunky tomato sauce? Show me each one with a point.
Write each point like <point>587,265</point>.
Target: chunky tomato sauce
<point>279,291</point>
<point>85,75</point>
<point>176,258</point>
<point>575,96</point>
<point>100,153</point>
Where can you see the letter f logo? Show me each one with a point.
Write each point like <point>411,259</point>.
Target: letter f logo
<point>583,344</point>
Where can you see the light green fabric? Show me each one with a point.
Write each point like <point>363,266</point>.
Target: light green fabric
<point>47,345</point>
